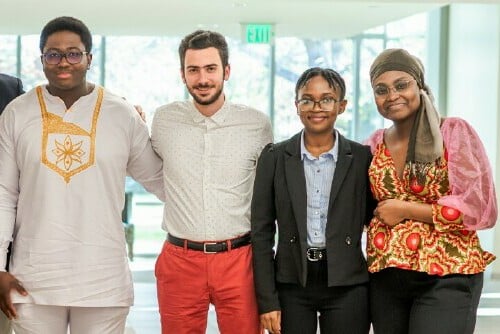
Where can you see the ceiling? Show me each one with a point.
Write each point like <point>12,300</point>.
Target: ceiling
<point>301,18</point>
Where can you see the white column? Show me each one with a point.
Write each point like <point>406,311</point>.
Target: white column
<point>474,87</point>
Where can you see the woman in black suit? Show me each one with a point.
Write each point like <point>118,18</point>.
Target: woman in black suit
<point>313,190</point>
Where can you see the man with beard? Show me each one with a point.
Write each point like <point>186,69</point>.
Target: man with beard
<point>209,148</point>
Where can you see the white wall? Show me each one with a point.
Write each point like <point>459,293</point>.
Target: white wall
<point>474,86</point>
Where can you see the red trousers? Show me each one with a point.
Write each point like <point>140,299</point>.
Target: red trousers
<point>189,280</point>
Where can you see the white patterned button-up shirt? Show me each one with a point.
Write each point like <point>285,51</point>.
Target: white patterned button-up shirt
<point>209,168</point>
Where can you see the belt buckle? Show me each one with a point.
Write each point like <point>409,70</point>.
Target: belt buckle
<point>205,244</point>
<point>314,254</point>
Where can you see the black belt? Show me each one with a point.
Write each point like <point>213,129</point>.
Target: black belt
<point>315,254</point>
<point>209,246</point>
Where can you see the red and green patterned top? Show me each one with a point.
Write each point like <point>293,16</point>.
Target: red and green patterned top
<point>451,244</point>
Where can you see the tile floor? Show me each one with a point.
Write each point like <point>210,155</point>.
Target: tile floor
<point>144,318</point>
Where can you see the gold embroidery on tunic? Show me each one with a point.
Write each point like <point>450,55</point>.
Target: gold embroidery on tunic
<point>68,152</point>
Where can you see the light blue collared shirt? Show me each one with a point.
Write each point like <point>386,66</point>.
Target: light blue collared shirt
<point>319,176</point>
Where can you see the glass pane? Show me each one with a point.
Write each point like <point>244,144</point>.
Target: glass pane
<point>250,74</point>
<point>144,70</point>
<point>343,62</point>
<point>94,73</point>
<point>31,65</point>
<point>8,56</point>
<point>368,117</point>
<point>291,61</point>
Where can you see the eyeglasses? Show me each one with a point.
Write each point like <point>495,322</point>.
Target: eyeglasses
<point>326,104</point>
<point>72,57</point>
<point>399,87</point>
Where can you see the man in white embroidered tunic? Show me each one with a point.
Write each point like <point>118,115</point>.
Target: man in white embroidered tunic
<point>209,148</point>
<point>65,149</point>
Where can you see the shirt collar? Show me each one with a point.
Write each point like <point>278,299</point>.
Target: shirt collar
<point>57,99</point>
<point>333,152</point>
<point>219,117</point>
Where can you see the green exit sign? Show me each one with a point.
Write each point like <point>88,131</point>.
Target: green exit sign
<point>259,33</point>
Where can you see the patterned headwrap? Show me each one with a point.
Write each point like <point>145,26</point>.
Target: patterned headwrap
<point>426,143</point>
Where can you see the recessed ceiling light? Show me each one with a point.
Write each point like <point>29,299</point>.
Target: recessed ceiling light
<point>239,4</point>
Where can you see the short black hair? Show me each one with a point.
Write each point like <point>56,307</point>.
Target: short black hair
<point>202,39</point>
<point>333,78</point>
<point>66,23</point>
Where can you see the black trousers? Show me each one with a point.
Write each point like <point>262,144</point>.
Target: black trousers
<point>410,302</point>
<point>341,309</point>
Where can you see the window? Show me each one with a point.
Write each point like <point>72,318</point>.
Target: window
<point>8,54</point>
<point>144,70</point>
<point>249,80</point>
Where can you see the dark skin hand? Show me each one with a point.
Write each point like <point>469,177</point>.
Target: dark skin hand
<point>393,211</point>
<point>8,283</point>
<point>271,321</point>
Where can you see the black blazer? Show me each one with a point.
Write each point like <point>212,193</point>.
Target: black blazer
<point>280,195</point>
<point>10,88</point>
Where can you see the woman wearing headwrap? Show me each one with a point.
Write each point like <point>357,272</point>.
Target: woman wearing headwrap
<point>435,188</point>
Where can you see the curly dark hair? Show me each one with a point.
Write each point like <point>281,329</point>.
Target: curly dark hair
<point>66,23</point>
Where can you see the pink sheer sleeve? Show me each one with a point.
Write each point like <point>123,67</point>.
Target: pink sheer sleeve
<point>375,138</point>
<point>470,176</point>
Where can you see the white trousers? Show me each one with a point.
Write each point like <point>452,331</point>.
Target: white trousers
<point>5,327</point>
<point>37,319</point>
